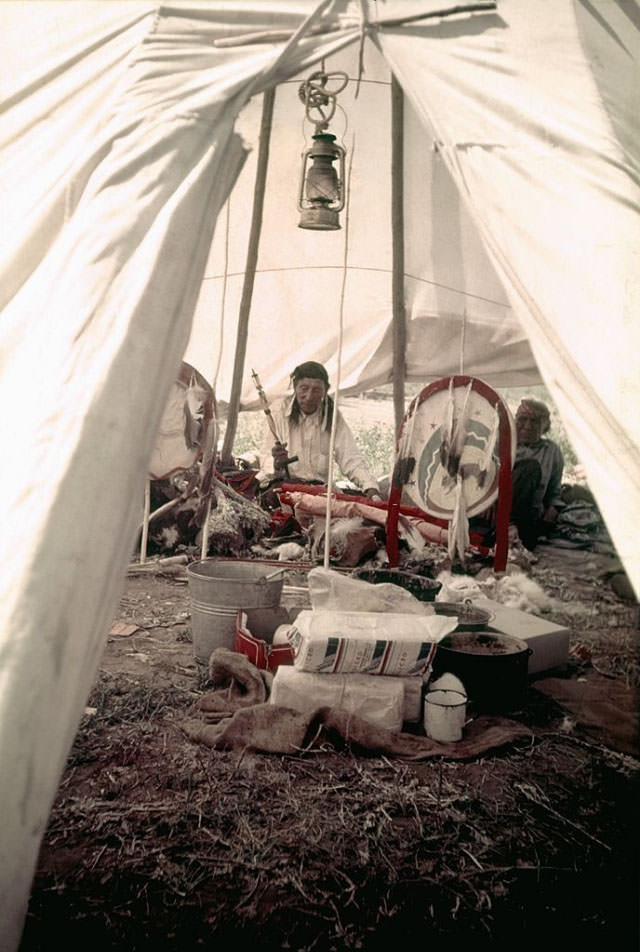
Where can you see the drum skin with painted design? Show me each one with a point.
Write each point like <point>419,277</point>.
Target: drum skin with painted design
<point>430,487</point>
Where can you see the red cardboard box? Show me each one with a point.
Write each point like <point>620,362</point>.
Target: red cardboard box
<point>260,650</point>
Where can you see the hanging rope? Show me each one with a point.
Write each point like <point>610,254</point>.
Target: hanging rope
<point>332,439</point>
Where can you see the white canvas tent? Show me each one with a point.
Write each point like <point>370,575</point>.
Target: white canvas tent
<point>118,154</point>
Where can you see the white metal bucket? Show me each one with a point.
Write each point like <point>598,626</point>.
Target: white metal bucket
<point>218,590</point>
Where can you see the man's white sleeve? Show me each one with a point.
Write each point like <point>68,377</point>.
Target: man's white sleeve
<point>349,457</point>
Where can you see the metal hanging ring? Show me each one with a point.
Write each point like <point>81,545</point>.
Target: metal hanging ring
<point>316,95</point>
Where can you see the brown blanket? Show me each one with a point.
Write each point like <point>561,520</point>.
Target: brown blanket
<point>237,683</point>
<point>246,721</point>
<point>272,729</point>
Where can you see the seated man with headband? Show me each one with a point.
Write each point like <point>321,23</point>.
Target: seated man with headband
<point>304,422</point>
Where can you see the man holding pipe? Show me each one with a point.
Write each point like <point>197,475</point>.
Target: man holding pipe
<point>304,422</point>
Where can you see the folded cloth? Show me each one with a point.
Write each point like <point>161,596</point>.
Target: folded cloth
<point>271,729</point>
<point>237,683</point>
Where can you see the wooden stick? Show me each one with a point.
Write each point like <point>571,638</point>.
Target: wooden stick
<point>145,521</point>
<point>438,14</point>
<point>249,274</point>
<point>397,238</point>
<point>205,531</point>
<point>277,36</point>
<point>174,563</point>
<point>165,507</point>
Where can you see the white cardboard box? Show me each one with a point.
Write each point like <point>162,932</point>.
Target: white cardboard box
<point>549,642</point>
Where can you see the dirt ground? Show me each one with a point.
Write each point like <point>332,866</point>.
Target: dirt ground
<point>156,842</point>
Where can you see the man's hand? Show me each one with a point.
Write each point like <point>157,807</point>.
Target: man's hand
<point>280,455</point>
<point>373,494</point>
<point>550,514</point>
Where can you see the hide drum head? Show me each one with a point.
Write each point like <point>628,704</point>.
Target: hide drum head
<point>429,486</point>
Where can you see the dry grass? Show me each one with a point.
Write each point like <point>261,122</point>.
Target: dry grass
<point>155,842</point>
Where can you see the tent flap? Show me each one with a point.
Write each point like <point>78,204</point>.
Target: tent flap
<point>124,253</point>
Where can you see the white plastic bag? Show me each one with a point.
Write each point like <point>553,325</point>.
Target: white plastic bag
<point>331,591</point>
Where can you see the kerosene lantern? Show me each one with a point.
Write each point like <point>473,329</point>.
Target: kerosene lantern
<point>321,194</point>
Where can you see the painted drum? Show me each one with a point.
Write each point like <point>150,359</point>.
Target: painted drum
<point>430,487</point>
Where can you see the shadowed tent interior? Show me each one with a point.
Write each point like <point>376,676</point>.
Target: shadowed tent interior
<point>129,142</point>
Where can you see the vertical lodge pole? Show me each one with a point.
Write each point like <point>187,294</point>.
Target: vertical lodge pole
<point>249,275</point>
<point>397,234</point>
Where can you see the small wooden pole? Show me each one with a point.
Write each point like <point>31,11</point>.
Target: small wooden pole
<point>484,7</point>
<point>145,521</point>
<point>397,237</point>
<point>249,274</point>
<point>205,531</point>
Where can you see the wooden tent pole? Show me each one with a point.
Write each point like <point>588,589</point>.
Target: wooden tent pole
<point>249,275</point>
<point>397,233</point>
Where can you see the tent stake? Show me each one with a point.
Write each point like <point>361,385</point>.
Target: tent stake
<point>249,274</point>
<point>397,234</point>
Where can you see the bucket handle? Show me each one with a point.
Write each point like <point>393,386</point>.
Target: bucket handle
<point>267,578</point>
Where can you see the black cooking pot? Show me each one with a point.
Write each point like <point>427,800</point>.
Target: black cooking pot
<point>492,666</point>
<point>424,589</point>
